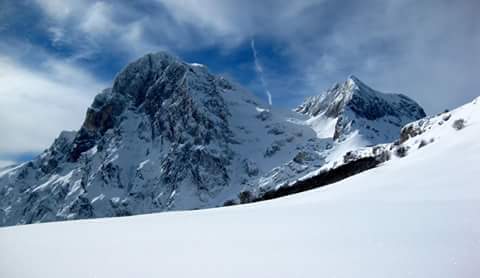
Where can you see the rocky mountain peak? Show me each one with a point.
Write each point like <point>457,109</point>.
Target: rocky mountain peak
<point>364,100</point>
<point>356,106</point>
<point>138,76</point>
<point>354,83</point>
<point>168,91</point>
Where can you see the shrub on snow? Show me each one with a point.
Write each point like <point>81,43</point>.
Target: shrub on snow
<point>401,151</point>
<point>422,144</point>
<point>459,124</point>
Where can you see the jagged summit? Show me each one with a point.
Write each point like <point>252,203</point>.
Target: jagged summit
<point>161,86</point>
<point>359,96</point>
<point>359,108</point>
<point>137,77</point>
<point>357,85</point>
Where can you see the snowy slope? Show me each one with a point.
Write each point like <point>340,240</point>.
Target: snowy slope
<point>415,216</point>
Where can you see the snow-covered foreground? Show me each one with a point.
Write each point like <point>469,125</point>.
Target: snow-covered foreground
<point>412,217</point>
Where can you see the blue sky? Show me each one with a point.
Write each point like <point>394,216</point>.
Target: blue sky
<point>56,55</point>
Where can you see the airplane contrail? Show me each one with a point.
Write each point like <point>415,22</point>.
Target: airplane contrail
<point>259,70</point>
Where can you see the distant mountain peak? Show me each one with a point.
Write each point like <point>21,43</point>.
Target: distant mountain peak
<point>357,107</point>
<point>354,86</point>
<point>353,79</point>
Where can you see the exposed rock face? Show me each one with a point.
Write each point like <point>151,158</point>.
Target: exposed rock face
<point>376,116</point>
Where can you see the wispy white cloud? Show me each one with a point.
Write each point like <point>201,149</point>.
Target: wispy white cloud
<point>231,22</point>
<point>59,9</point>
<point>259,70</point>
<point>36,104</point>
<point>97,19</point>
<point>90,27</point>
<point>4,163</point>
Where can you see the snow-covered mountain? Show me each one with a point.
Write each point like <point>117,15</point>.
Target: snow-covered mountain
<point>414,216</point>
<point>353,107</point>
<point>413,137</point>
<point>169,135</point>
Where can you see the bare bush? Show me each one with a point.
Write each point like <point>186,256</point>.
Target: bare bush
<point>401,151</point>
<point>245,197</point>
<point>459,124</point>
<point>422,144</point>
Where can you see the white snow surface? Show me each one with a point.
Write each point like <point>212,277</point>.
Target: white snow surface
<point>415,216</point>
